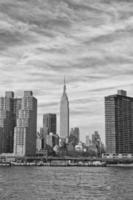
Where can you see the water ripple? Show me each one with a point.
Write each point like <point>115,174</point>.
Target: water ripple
<point>51,183</point>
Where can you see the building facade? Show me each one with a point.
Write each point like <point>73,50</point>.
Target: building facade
<point>43,138</point>
<point>96,138</point>
<point>49,123</point>
<point>88,141</point>
<point>119,123</point>
<point>64,114</point>
<point>26,129</point>
<point>74,136</point>
<point>76,133</point>
<point>52,140</point>
<point>8,113</point>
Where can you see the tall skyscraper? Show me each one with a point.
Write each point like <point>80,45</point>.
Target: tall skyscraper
<point>8,112</point>
<point>26,129</point>
<point>64,114</point>
<point>119,123</point>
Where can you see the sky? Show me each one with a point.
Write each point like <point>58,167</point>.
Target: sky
<point>90,42</point>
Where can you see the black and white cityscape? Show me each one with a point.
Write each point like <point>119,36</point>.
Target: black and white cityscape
<point>19,136</point>
<point>66,99</point>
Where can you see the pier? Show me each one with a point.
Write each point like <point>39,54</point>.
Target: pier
<point>62,161</point>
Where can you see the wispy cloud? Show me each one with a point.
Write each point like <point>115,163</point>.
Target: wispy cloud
<point>90,42</point>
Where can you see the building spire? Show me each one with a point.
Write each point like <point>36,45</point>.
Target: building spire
<point>64,85</point>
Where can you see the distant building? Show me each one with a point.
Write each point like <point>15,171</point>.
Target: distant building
<point>62,142</point>
<point>49,123</point>
<point>80,147</point>
<point>96,141</point>
<point>119,123</point>
<point>96,138</point>
<point>49,126</point>
<point>38,142</point>
<point>76,133</point>
<point>88,141</point>
<point>52,140</point>
<point>43,138</point>
<point>26,129</point>
<point>64,114</point>
<point>70,147</point>
<point>9,108</point>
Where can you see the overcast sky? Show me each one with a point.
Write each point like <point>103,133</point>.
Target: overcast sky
<point>88,41</point>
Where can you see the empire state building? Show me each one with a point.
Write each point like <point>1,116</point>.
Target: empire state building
<point>64,114</point>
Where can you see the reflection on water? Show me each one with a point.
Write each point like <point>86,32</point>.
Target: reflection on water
<point>58,183</point>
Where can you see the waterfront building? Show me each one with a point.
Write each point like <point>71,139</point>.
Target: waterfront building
<point>38,142</point>
<point>8,113</point>
<point>119,123</point>
<point>43,138</point>
<point>26,129</point>
<point>64,114</point>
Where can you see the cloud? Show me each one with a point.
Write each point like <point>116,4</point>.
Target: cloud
<point>90,42</point>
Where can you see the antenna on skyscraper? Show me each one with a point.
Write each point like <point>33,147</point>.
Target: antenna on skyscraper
<point>64,84</point>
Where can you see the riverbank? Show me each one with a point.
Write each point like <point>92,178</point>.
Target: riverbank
<point>51,164</point>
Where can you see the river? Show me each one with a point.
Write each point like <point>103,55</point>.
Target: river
<point>66,183</point>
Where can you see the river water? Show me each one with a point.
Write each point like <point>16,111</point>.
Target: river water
<point>66,183</point>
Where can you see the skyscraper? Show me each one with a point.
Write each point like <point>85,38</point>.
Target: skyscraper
<point>119,123</point>
<point>26,129</point>
<point>75,132</point>
<point>49,123</point>
<point>8,111</point>
<point>64,114</point>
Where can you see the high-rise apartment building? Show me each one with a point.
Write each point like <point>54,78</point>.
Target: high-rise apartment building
<point>17,107</point>
<point>119,123</point>
<point>64,114</point>
<point>26,129</point>
<point>8,112</point>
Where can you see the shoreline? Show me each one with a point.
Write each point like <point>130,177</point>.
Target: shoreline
<point>50,164</point>
<point>10,164</point>
<point>58,165</point>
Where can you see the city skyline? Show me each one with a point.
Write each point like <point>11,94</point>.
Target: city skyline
<point>87,41</point>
